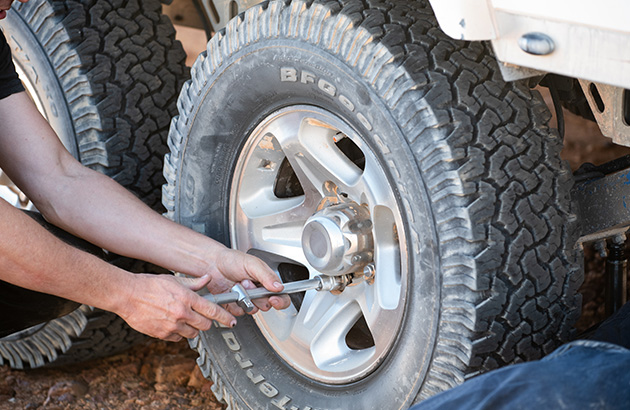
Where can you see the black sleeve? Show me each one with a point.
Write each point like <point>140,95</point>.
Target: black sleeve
<point>9,81</point>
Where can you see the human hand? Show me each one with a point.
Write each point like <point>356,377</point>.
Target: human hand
<point>231,266</point>
<point>167,307</point>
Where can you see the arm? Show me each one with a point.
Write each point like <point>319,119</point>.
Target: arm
<point>33,258</point>
<point>99,210</point>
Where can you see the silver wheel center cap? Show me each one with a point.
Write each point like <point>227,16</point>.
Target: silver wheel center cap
<point>338,239</point>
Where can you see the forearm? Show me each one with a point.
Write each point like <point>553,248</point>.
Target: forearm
<point>94,207</point>
<point>87,203</point>
<point>104,213</point>
<point>158,305</point>
<point>33,258</point>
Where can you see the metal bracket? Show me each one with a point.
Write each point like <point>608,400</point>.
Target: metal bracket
<point>603,203</point>
<point>611,108</point>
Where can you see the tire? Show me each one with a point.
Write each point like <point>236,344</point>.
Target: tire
<point>106,75</point>
<point>297,110</point>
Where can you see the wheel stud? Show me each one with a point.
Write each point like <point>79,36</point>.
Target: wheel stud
<point>369,273</point>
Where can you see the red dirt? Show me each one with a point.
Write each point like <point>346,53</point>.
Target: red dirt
<point>155,375</point>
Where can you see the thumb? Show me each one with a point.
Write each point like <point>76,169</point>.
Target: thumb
<point>194,283</point>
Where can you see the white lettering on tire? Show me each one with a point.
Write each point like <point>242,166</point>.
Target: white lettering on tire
<point>292,75</point>
<point>258,379</point>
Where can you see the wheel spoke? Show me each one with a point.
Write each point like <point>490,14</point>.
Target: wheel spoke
<point>278,233</point>
<point>309,145</point>
<point>322,324</point>
<point>388,269</point>
<point>374,185</point>
<point>377,315</point>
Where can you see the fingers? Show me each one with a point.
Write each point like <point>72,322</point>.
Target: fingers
<point>238,266</point>
<point>198,319</point>
<point>192,323</point>
<point>172,338</point>
<point>187,331</point>
<point>213,311</point>
<point>194,284</point>
<point>167,307</point>
<point>262,273</point>
<point>182,331</point>
<point>234,309</point>
<point>280,302</point>
<point>199,322</point>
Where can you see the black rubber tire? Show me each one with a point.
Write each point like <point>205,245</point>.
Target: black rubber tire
<point>474,165</point>
<point>107,74</point>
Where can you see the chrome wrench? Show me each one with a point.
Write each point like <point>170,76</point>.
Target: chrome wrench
<point>244,296</point>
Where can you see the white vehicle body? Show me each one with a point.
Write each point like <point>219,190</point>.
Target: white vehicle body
<point>582,39</point>
<point>591,39</point>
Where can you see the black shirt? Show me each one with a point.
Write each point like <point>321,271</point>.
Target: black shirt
<point>9,81</point>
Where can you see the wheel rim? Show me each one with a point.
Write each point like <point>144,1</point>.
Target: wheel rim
<point>333,338</point>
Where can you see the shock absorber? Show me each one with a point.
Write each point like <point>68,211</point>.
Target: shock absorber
<point>616,274</point>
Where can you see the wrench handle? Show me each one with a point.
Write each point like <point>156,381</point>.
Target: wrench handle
<point>222,298</point>
<point>290,287</point>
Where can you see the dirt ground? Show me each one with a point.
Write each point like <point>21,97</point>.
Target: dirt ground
<point>160,375</point>
<point>155,375</point>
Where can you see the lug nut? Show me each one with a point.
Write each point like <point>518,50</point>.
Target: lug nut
<point>369,272</point>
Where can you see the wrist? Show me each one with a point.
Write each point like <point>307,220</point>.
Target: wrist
<point>199,257</point>
<point>117,294</point>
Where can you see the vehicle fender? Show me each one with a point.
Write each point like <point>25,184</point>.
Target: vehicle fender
<point>465,19</point>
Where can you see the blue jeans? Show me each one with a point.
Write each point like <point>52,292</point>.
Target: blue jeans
<point>584,374</point>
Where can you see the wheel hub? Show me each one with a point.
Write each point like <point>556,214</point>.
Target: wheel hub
<point>338,239</point>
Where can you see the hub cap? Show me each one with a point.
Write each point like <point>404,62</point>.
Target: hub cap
<point>310,197</point>
<point>338,239</point>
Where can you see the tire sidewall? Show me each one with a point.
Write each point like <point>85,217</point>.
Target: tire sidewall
<point>253,83</point>
<point>30,55</point>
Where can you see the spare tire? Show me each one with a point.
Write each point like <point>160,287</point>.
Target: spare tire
<point>298,115</point>
<point>106,75</point>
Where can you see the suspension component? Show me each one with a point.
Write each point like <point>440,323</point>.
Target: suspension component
<point>616,274</point>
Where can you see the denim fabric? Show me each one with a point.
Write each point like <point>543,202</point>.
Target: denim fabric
<point>615,329</point>
<point>584,374</point>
